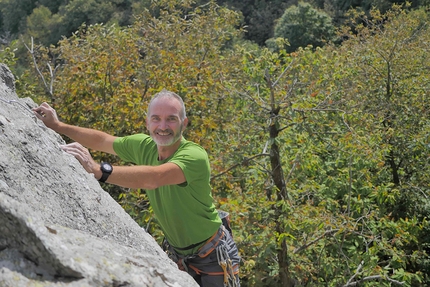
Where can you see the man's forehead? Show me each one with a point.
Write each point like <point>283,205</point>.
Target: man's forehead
<point>167,101</point>
<point>165,106</point>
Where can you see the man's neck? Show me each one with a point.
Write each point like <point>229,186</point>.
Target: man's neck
<point>165,152</point>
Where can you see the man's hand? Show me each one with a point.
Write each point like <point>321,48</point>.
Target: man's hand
<point>84,157</point>
<point>47,115</point>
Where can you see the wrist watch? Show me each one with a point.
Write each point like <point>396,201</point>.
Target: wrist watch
<point>106,169</point>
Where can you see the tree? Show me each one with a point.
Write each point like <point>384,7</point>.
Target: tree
<point>78,12</point>
<point>304,25</point>
<point>52,5</point>
<point>13,14</point>
<point>40,25</point>
<point>394,61</point>
<point>312,178</point>
<point>258,16</point>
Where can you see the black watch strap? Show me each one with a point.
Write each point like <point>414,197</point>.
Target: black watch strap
<point>106,169</point>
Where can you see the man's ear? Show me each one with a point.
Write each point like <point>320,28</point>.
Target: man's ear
<point>185,123</point>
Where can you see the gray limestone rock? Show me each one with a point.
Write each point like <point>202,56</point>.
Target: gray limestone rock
<point>58,227</point>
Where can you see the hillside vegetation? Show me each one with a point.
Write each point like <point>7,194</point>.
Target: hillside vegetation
<point>320,154</point>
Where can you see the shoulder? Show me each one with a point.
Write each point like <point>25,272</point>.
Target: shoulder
<point>194,162</point>
<point>192,148</point>
<point>190,154</point>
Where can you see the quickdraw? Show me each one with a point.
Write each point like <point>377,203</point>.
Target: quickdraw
<point>225,262</point>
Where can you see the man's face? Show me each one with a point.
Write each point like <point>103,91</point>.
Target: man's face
<point>164,122</point>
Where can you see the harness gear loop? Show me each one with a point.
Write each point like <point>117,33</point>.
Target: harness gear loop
<point>223,263</point>
<point>226,264</point>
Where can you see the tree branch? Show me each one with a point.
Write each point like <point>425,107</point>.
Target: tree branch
<point>368,278</point>
<point>328,232</point>
<point>282,74</point>
<point>373,277</point>
<point>49,88</point>
<point>244,162</point>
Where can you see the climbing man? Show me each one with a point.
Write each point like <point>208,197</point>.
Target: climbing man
<point>175,174</point>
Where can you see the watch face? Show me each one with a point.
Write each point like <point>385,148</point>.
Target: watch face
<point>106,167</point>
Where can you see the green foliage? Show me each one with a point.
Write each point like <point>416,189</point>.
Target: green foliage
<point>392,62</point>
<point>52,5</point>
<point>101,72</point>
<point>13,14</point>
<point>40,25</point>
<point>78,12</point>
<point>48,21</point>
<point>343,198</point>
<point>7,57</point>
<point>23,82</point>
<point>259,16</point>
<point>319,155</point>
<point>304,25</point>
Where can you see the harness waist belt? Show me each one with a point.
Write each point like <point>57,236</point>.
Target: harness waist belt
<point>218,234</point>
<point>212,243</point>
<point>192,245</point>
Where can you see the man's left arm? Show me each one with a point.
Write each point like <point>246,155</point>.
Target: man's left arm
<point>138,176</point>
<point>144,176</point>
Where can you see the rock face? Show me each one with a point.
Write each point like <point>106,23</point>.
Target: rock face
<point>58,227</point>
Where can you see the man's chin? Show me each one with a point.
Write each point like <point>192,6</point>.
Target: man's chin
<point>163,142</point>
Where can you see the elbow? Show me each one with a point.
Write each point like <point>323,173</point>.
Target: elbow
<point>156,182</point>
<point>151,186</point>
<point>153,182</point>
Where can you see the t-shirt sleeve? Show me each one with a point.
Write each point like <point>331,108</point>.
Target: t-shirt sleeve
<point>131,148</point>
<point>194,162</point>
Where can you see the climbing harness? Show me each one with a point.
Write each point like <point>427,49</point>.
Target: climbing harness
<point>215,244</point>
<point>11,102</point>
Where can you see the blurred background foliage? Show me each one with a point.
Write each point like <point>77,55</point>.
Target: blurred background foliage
<point>315,116</point>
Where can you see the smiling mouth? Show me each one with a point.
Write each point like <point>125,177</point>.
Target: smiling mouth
<point>166,133</point>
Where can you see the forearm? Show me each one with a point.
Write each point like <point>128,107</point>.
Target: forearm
<point>136,176</point>
<point>143,176</point>
<point>132,177</point>
<point>90,138</point>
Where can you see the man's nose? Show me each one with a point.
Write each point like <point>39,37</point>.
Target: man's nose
<point>163,125</point>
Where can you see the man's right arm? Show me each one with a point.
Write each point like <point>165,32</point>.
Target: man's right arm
<point>90,138</point>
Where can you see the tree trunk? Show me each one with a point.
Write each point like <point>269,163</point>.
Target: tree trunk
<point>278,179</point>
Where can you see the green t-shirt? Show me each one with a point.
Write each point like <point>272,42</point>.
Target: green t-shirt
<point>186,212</point>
